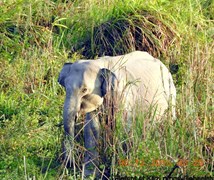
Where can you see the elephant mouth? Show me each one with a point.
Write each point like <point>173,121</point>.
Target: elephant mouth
<point>90,103</point>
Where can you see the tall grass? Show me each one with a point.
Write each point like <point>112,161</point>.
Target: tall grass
<point>37,37</point>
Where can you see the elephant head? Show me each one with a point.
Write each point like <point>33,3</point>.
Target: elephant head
<point>85,86</point>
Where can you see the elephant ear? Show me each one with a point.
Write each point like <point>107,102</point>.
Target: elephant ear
<point>64,73</point>
<point>108,81</point>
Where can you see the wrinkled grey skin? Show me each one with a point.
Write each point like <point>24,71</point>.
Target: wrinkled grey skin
<point>87,83</point>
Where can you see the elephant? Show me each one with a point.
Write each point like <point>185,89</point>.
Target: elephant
<point>136,78</point>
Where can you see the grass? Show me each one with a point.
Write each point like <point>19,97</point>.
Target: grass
<point>37,37</point>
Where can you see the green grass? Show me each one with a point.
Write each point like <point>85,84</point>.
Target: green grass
<point>37,37</point>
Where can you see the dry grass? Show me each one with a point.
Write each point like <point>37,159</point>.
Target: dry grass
<point>141,31</point>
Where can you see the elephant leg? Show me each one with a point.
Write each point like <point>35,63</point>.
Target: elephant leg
<point>91,138</point>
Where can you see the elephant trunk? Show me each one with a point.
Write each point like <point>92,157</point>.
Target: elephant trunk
<point>70,114</point>
<point>69,123</point>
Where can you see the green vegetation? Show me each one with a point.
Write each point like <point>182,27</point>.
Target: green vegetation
<point>37,37</point>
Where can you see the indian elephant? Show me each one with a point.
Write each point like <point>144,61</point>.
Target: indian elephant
<point>136,78</point>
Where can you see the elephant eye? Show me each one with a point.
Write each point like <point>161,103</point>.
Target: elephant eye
<point>84,90</point>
